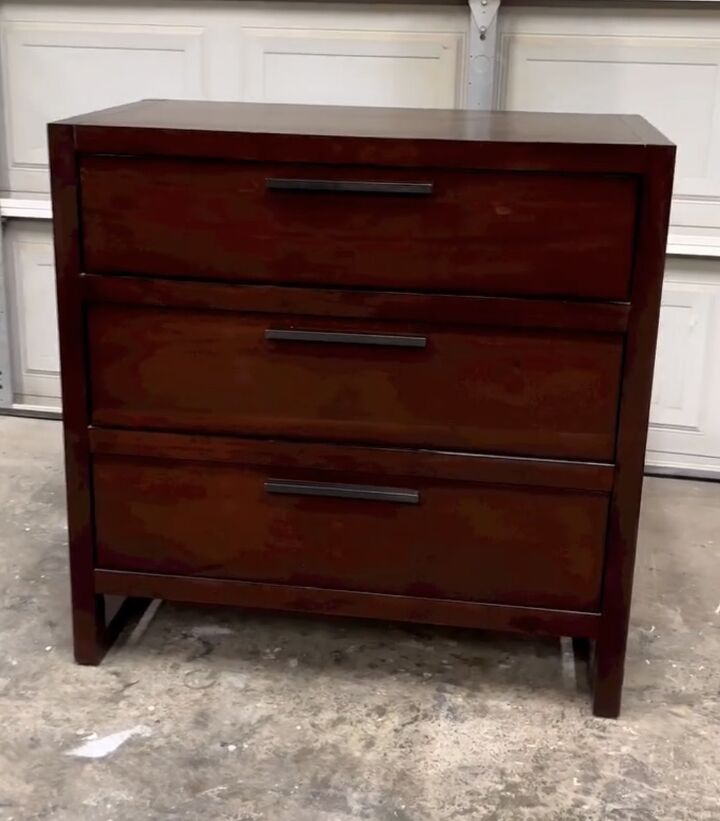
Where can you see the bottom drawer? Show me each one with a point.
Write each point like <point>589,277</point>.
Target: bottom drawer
<point>411,534</point>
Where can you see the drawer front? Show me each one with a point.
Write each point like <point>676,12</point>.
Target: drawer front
<point>427,537</point>
<point>409,229</point>
<point>530,393</point>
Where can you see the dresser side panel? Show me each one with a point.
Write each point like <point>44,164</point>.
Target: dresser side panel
<point>632,428</point>
<point>88,611</point>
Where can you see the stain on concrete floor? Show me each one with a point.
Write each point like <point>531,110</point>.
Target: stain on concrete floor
<point>227,714</point>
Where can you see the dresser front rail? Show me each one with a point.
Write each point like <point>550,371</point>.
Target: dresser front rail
<point>230,592</point>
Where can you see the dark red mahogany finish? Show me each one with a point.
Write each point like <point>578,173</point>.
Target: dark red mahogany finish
<point>365,362</point>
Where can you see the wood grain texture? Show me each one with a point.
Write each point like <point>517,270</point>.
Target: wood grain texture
<point>473,467</point>
<point>537,394</point>
<point>632,431</point>
<point>535,547</point>
<point>369,136</point>
<point>350,603</point>
<point>94,628</point>
<point>455,125</point>
<point>519,234</point>
<point>87,606</point>
<point>470,310</point>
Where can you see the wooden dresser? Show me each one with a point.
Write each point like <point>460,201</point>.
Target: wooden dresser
<point>366,362</point>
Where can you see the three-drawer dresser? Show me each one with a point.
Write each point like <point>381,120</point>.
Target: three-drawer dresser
<point>365,362</point>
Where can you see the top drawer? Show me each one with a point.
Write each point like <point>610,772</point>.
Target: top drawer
<point>511,233</point>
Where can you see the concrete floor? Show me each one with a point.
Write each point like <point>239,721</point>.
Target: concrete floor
<point>230,715</point>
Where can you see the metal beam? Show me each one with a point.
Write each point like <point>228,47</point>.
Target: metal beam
<point>482,53</point>
<point>6,392</point>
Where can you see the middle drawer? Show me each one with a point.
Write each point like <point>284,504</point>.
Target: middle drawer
<point>536,393</point>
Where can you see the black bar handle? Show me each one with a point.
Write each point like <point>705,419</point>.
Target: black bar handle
<point>342,338</point>
<point>336,490</point>
<point>421,189</point>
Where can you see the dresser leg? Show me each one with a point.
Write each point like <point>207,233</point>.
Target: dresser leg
<point>89,630</point>
<point>95,628</point>
<point>608,669</point>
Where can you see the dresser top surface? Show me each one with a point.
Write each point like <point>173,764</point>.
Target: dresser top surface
<point>378,123</point>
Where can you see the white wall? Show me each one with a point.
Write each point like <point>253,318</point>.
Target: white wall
<point>29,291</point>
<point>685,435</point>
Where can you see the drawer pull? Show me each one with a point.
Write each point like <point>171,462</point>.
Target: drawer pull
<point>421,189</point>
<point>340,491</point>
<point>331,337</point>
